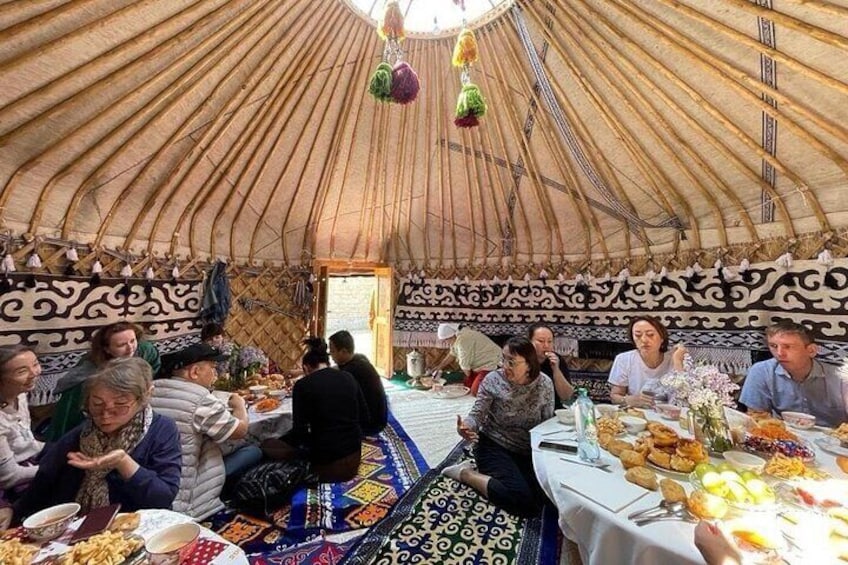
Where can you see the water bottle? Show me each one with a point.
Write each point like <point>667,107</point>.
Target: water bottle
<point>587,430</point>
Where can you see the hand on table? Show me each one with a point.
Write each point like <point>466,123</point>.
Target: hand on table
<point>639,401</point>
<point>101,463</point>
<point>465,431</point>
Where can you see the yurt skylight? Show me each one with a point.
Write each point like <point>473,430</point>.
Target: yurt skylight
<point>436,17</point>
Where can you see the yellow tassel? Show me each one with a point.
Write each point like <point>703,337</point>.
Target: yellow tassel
<point>391,26</point>
<point>465,51</point>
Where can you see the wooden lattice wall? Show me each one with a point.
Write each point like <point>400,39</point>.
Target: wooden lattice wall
<point>264,313</point>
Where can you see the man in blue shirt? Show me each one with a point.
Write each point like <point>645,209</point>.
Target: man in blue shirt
<point>793,380</point>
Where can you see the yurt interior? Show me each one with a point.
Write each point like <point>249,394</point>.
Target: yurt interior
<point>423,281</point>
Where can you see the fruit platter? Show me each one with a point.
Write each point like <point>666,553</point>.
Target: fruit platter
<point>742,489</point>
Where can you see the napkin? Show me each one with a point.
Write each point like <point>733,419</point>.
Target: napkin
<point>610,490</point>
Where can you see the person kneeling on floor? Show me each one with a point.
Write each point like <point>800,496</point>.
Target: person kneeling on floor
<point>328,412</point>
<point>205,422</point>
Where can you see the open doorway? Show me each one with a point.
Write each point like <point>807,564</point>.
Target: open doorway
<point>358,298</point>
<point>350,306</point>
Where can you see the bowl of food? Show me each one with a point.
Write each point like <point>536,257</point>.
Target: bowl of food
<point>633,424</point>
<point>278,394</point>
<point>51,522</point>
<point>799,420</point>
<point>565,416</point>
<point>606,410</point>
<point>745,461</point>
<point>258,390</point>
<point>668,411</point>
<point>173,545</point>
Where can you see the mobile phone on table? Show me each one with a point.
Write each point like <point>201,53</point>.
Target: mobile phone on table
<point>563,447</point>
<point>95,522</point>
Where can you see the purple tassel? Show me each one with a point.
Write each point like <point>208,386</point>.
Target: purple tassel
<point>469,121</point>
<point>405,85</point>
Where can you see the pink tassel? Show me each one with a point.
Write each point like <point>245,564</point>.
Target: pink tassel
<point>405,85</point>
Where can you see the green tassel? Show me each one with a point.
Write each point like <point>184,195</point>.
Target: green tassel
<point>381,83</point>
<point>470,102</point>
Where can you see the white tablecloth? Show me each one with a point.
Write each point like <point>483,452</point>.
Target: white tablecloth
<point>264,425</point>
<point>609,538</point>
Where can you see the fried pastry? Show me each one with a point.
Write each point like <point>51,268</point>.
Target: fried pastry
<point>630,459</point>
<point>660,458</point>
<point>691,449</point>
<point>616,446</point>
<point>643,477</point>
<point>672,491</point>
<point>604,439</point>
<point>682,464</point>
<point>644,445</point>
<point>662,434</point>
<point>706,505</point>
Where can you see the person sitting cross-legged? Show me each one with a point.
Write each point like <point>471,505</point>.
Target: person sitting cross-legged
<point>358,365</point>
<point>205,422</point>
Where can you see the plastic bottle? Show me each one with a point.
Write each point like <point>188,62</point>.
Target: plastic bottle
<point>587,430</point>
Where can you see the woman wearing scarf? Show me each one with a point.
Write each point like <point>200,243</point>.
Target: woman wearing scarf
<point>122,453</point>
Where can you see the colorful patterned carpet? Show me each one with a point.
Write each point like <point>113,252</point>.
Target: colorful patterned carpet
<point>439,521</point>
<point>391,464</point>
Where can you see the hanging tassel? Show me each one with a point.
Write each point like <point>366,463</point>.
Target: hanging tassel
<point>470,104</point>
<point>405,85</point>
<point>543,275</point>
<point>8,263</point>
<point>465,51</point>
<point>149,275</point>
<point>175,274</point>
<point>624,279</point>
<point>785,261</point>
<point>126,271</point>
<point>391,25</point>
<point>34,261</point>
<point>71,255</point>
<point>96,269</point>
<point>745,271</point>
<point>664,280</point>
<point>380,86</point>
<point>826,258</point>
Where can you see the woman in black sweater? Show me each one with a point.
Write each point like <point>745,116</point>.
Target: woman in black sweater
<point>328,412</point>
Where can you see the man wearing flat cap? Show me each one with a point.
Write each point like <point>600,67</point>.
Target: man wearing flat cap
<point>476,354</point>
<point>205,422</point>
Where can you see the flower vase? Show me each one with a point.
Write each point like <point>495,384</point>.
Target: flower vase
<point>709,425</point>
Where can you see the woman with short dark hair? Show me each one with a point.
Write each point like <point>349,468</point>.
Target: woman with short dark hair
<point>510,402</point>
<point>19,371</point>
<point>123,453</point>
<point>638,371</point>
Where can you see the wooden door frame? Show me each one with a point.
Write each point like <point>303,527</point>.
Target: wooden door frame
<point>324,269</point>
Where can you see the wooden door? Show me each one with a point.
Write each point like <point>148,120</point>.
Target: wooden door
<point>381,327</point>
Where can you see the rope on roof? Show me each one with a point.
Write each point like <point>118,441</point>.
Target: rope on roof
<point>569,138</point>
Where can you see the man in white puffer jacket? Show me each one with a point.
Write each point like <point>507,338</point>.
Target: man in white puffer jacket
<point>205,422</point>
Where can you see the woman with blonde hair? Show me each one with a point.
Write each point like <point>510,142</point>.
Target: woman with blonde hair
<point>122,453</point>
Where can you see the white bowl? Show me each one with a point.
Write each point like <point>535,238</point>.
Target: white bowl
<point>256,390</point>
<point>745,461</point>
<point>799,420</point>
<point>633,424</point>
<point>280,394</point>
<point>51,522</point>
<point>173,545</point>
<point>606,410</point>
<point>565,415</point>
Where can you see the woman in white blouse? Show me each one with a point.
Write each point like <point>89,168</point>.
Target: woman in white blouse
<point>638,371</point>
<point>19,369</point>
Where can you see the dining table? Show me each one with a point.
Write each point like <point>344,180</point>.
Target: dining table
<point>593,504</point>
<point>211,549</point>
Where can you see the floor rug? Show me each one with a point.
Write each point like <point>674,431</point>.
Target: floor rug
<point>391,464</point>
<point>439,521</point>
<point>319,551</point>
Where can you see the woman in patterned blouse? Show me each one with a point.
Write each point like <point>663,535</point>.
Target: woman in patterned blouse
<point>511,401</point>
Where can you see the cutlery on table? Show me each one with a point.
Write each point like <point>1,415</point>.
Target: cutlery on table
<point>602,466</point>
<point>667,518</point>
<point>664,507</point>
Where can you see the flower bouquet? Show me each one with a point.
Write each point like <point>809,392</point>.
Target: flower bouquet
<point>242,363</point>
<point>706,391</point>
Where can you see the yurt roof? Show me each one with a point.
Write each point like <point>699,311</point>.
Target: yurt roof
<point>245,130</point>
